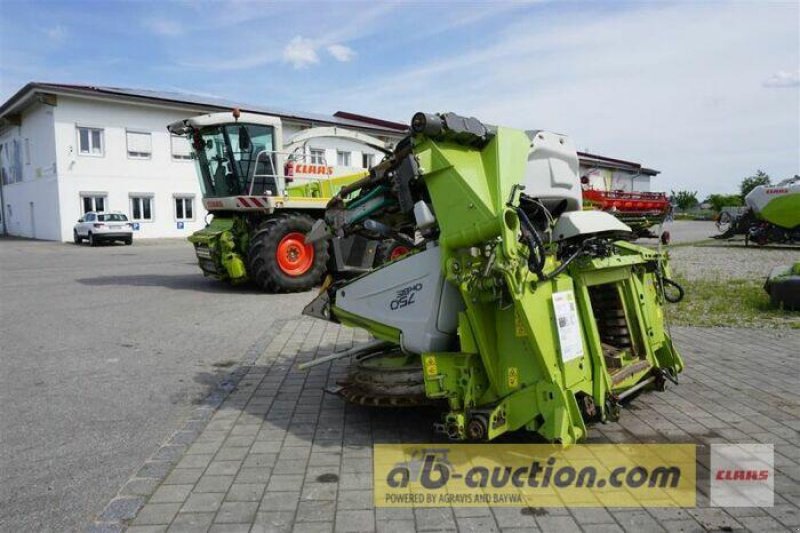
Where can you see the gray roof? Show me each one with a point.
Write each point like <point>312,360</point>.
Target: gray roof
<point>207,103</point>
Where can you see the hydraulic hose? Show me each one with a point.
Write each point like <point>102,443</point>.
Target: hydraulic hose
<point>667,297</point>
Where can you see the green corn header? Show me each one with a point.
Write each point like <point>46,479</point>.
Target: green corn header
<point>514,309</point>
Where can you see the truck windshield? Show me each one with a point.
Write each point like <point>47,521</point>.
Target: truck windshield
<point>227,157</point>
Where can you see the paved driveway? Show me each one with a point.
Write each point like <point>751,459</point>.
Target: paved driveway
<point>279,455</point>
<point>104,351</point>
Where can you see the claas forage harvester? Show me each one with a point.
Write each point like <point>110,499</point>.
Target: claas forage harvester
<point>514,308</point>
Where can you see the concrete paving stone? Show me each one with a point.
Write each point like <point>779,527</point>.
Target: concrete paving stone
<point>592,516</point>
<point>762,523</point>
<point>230,528</point>
<point>155,469</point>
<point>476,524</point>
<point>231,453</point>
<point>294,453</point>
<point>280,501</point>
<point>170,453</point>
<point>123,508</point>
<point>319,491</point>
<point>214,484</point>
<point>240,440</point>
<point>184,476</point>
<point>203,502</point>
<point>255,460</point>
<point>316,511</point>
<point>788,515</point>
<point>139,487</point>
<point>711,518</point>
<point>191,523</point>
<point>171,494</point>
<point>355,499</point>
<point>313,527</point>
<point>285,483</point>
<point>156,514</point>
<point>212,437</point>
<point>254,475</point>
<point>195,461</point>
<point>204,447</point>
<point>266,447</point>
<point>557,523</point>
<point>223,468</point>
<point>290,467</point>
<point>395,526</point>
<point>669,513</point>
<point>325,459</point>
<point>146,529</point>
<point>236,513</point>
<point>510,517</point>
<point>603,528</point>
<point>245,492</point>
<point>273,522</point>
<point>434,518</point>
<point>361,480</point>
<point>354,521</point>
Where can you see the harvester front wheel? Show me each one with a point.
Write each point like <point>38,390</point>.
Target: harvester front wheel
<point>279,259</point>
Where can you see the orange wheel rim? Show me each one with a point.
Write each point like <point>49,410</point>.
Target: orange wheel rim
<point>295,257</point>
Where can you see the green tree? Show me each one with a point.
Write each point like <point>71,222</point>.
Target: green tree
<point>751,182</point>
<point>718,201</point>
<point>685,199</point>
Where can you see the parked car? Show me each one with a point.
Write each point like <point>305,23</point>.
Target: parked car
<point>98,227</point>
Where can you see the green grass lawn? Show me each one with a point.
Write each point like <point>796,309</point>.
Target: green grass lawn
<point>736,303</point>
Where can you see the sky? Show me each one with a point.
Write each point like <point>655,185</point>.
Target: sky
<point>706,92</point>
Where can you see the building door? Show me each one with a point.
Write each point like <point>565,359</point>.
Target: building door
<point>33,221</point>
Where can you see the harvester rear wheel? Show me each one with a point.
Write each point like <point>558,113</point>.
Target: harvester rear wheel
<point>279,259</point>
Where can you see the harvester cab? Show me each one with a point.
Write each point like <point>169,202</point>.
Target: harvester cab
<point>264,194</point>
<point>514,308</point>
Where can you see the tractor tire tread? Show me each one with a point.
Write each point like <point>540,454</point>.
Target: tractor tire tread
<point>262,266</point>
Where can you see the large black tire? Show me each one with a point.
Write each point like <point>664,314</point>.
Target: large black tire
<point>75,238</point>
<point>262,258</point>
<point>92,240</point>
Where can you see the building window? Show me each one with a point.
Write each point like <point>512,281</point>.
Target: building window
<point>142,208</point>
<point>93,202</point>
<point>184,208</point>
<point>367,160</point>
<point>140,145</point>
<point>181,149</point>
<point>317,156</point>
<point>27,151</point>
<point>90,141</point>
<point>343,158</point>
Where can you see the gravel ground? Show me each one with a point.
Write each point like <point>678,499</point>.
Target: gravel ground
<point>728,260</point>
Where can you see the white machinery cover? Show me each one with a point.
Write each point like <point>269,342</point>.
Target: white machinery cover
<point>412,296</point>
<point>552,172</point>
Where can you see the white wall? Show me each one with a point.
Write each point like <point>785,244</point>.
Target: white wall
<point>31,206</point>
<point>119,176</point>
<point>58,175</point>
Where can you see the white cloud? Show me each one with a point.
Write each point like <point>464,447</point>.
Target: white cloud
<point>300,52</point>
<point>341,52</point>
<point>166,27</point>
<point>668,94</point>
<point>57,33</point>
<point>783,79</point>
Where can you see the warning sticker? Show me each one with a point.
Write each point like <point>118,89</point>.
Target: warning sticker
<point>569,327</point>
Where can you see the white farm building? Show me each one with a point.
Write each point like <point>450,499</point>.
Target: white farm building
<point>68,149</point>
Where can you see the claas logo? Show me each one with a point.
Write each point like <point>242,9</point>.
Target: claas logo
<point>742,475</point>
